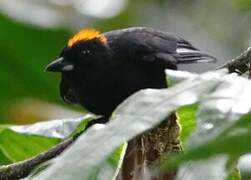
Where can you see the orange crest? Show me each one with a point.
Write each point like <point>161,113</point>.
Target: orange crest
<point>86,35</point>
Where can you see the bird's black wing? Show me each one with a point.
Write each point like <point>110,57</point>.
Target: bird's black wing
<point>187,53</point>
<point>149,45</point>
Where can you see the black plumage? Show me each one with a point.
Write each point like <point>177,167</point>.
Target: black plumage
<point>100,73</point>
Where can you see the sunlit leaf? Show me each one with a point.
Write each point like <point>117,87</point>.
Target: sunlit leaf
<point>54,128</point>
<point>213,169</point>
<point>222,128</point>
<point>174,77</point>
<point>24,141</point>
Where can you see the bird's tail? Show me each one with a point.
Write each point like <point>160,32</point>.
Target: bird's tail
<point>186,54</point>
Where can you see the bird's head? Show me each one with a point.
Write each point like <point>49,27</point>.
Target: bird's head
<point>84,54</point>
<point>83,50</point>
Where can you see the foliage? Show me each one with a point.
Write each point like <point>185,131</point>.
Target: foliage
<point>221,134</point>
<point>218,127</point>
<point>187,119</point>
<point>24,52</point>
<point>213,108</point>
<point>243,4</point>
<point>18,143</point>
<point>213,112</point>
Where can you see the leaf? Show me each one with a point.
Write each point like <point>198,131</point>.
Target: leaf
<point>174,77</point>
<point>111,166</point>
<point>233,142</point>
<point>138,113</point>
<point>223,128</point>
<point>16,147</point>
<point>24,141</point>
<point>213,169</point>
<point>55,128</point>
<point>187,120</point>
<point>244,166</point>
<point>4,160</point>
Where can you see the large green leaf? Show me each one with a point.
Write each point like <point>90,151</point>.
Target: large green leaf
<point>140,112</point>
<point>16,147</point>
<point>24,141</point>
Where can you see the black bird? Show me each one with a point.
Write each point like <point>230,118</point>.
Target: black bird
<point>99,71</point>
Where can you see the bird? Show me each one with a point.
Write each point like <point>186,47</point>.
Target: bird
<point>100,70</point>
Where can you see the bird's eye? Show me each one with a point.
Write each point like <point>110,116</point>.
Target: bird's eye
<point>85,52</point>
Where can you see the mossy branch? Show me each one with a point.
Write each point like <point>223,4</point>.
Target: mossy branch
<point>240,64</point>
<point>22,169</point>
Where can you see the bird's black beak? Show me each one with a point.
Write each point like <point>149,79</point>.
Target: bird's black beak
<point>59,65</point>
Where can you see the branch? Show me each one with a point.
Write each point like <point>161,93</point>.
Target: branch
<point>240,64</point>
<point>22,169</point>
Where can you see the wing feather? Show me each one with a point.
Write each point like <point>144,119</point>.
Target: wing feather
<point>149,45</point>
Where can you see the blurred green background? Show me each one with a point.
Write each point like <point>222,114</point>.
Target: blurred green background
<point>32,33</point>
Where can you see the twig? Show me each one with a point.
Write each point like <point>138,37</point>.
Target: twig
<point>240,64</point>
<point>22,169</point>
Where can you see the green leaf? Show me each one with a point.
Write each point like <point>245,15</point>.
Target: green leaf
<point>4,160</point>
<point>83,124</point>
<point>187,120</point>
<point>24,141</point>
<point>242,4</point>
<point>138,113</point>
<point>234,173</point>
<point>17,147</point>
